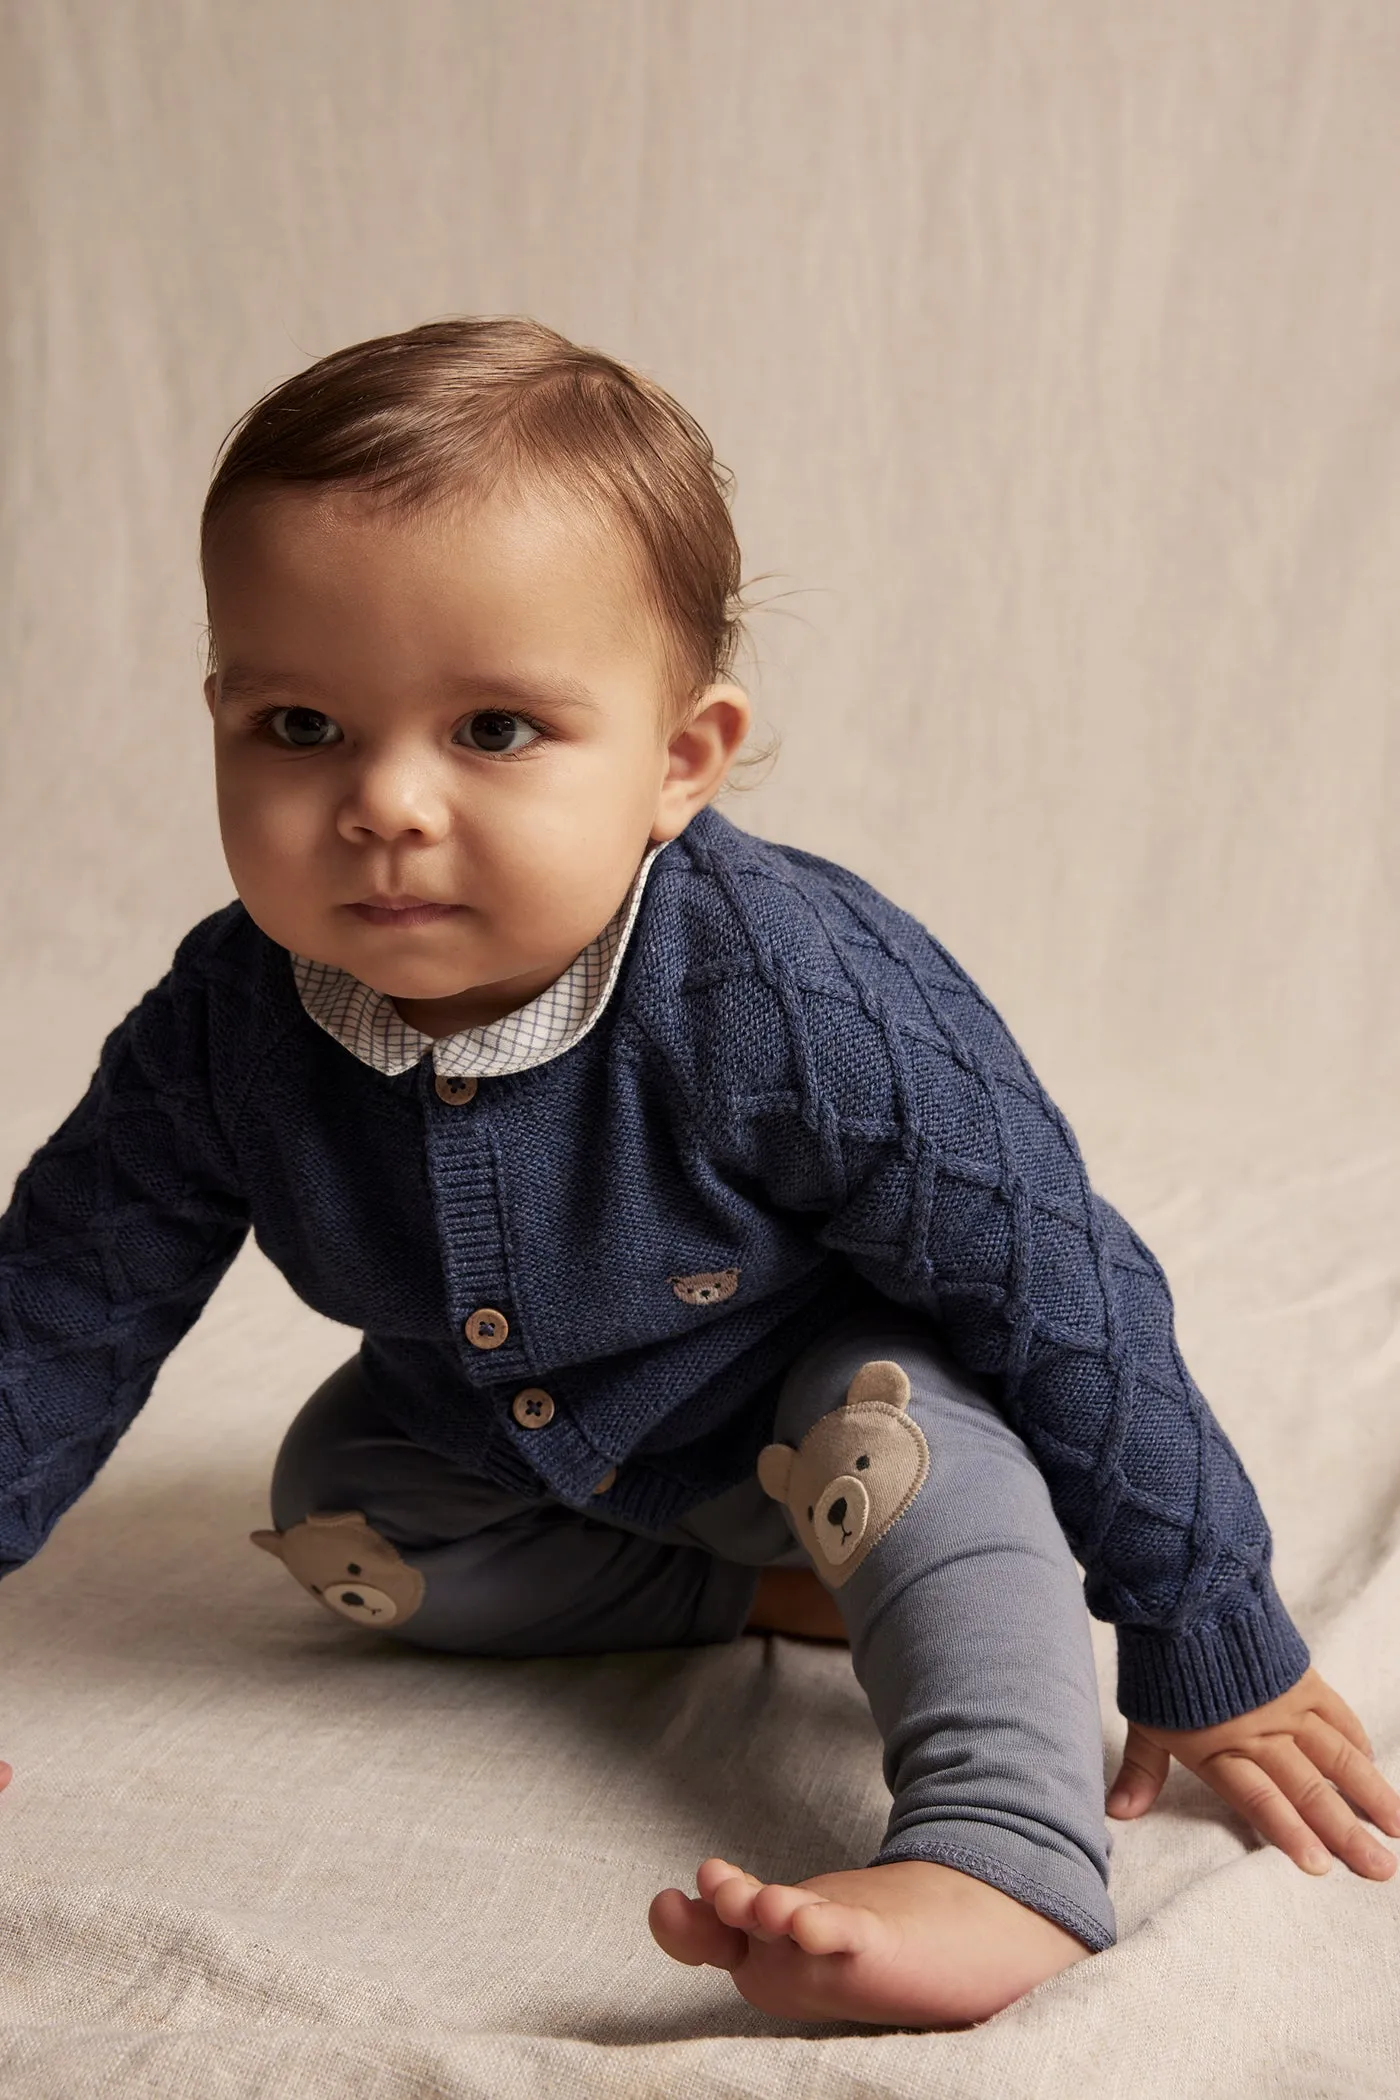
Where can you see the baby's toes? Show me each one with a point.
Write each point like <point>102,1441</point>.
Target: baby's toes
<point>733,1900</point>
<point>713,1872</point>
<point>820,1926</point>
<point>686,1928</point>
<point>776,1904</point>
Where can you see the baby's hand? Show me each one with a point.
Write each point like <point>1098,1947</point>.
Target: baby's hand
<point>1273,1765</point>
<point>6,1775</point>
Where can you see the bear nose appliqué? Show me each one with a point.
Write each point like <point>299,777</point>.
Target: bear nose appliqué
<point>841,1518</point>
<point>362,1603</point>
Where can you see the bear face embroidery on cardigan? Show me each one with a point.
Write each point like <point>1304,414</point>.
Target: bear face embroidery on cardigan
<point>709,1287</point>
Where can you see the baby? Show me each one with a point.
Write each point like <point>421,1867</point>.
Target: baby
<point>720,1263</point>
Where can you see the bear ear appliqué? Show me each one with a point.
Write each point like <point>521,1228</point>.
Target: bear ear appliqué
<point>882,1382</point>
<point>320,1519</point>
<point>775,1469</point>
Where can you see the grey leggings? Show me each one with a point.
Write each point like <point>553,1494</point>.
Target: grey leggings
<point>967,1622</point>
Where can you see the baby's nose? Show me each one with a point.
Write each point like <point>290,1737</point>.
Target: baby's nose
<point>837,1512</point>
<point>396,794</point>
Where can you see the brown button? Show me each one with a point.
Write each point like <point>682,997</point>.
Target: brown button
<point>532,1408</point>
<point>607,1481</point>
<point>487,1328</point>
<point>455,1091</point>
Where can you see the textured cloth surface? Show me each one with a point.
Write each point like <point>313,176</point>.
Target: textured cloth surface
<point>369,1025</point>
<point>794,1087</point>
<point>1054,349</point>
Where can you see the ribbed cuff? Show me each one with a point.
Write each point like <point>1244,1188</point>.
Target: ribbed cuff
<point>1209,1673</point>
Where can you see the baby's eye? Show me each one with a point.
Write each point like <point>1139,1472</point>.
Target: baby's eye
<point>493,730</point>
<point>301,727</point>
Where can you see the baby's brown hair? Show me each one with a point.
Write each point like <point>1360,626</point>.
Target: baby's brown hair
<point>461,406</point>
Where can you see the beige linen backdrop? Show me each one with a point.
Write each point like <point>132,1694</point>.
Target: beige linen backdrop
<point>1056,347</point>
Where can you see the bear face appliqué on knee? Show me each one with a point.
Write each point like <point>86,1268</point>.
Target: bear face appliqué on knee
<point>853,1475</point>
<point>347,1567</point>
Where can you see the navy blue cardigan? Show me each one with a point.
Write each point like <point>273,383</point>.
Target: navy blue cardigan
<point>792,1080</point>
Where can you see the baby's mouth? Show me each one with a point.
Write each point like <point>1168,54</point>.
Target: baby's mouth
<point>401,911</point>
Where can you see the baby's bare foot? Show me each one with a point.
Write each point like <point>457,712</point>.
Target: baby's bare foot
<point>910,1944</point>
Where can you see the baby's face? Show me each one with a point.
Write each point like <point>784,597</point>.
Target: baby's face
<point>465,709</point>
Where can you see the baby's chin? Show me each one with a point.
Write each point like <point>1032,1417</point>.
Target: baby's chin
<point>409,962</point>
<point>420,983</point>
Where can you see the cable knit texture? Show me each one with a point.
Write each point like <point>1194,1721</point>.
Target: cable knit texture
<point>793,1081</point>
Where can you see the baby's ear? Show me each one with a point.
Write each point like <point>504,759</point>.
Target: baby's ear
<point>270,1541</point>
<point>775,1469</point>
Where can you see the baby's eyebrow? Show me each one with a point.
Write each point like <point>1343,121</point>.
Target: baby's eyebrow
<point>242,682</point>
<point>560,691</point>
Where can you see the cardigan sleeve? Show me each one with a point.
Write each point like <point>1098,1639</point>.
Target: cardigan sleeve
<point>119,1228</point>
<point>953,1184</point>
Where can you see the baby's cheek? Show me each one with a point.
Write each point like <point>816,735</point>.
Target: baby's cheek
<point>276,847</point>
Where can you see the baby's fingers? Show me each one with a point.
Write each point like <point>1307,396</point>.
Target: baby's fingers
<point>1282,1793</point>
<point>1332,1708</point>
<point>1356,1776</point>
